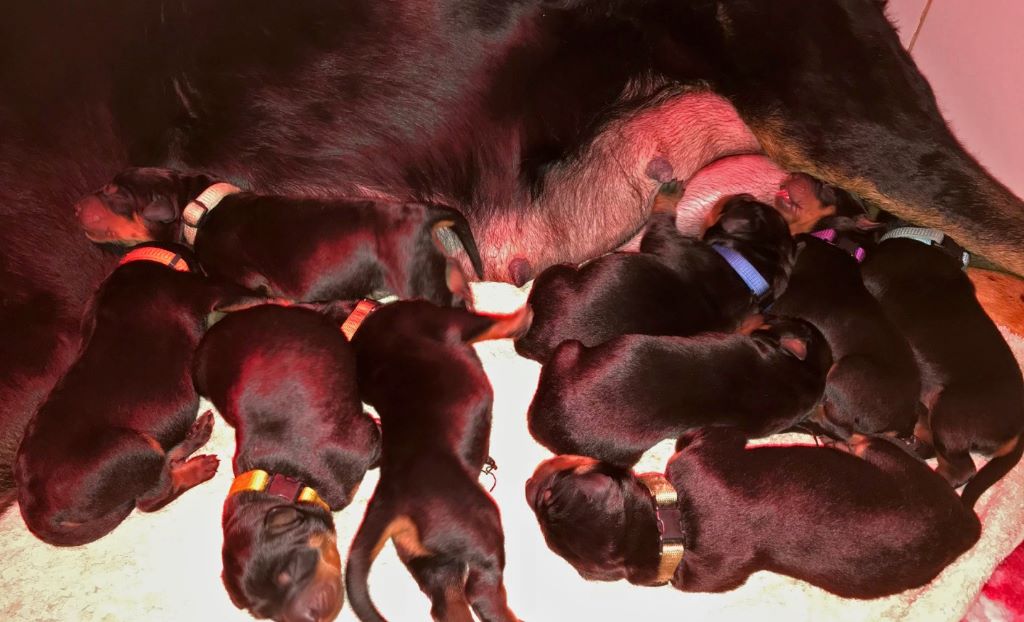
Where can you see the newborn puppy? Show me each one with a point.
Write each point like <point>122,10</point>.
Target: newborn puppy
<point>675,285</point>
<point>615,401</point>
<point>971,382</point>
<point>300,249</point>
<point>118,429</point>
<point>285,379</point>
<point>803,201</point>
<point>859,527</point>
<point>874,386</point>
<point>417,368</point>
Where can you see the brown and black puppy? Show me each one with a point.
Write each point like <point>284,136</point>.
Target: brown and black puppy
<point>971,382</point>
<point>300,249</point>
<point>675,285</point>
<point>285,379</point>
<point>615,401</point>
<point>417,368</point>
<point>859,527</point>
<point>874,385</point>
<point>117,431</point>
<point>804,201</point>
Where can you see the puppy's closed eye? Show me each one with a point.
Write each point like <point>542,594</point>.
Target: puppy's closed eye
<point>283,518</point>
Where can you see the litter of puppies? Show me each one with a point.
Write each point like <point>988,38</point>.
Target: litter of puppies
<point>713,341</point>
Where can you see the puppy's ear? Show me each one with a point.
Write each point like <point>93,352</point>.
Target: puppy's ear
<point>160,210</point>
<point>795,346</point>
<point>458,285</point>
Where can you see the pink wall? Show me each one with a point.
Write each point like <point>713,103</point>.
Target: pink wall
<point>972,52</point>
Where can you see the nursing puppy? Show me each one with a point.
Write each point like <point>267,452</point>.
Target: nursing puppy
<point>675,285</point>
<point>971,382</point>
<point>874,385</point>
<point>615,401</point>
<point>301,249</point>
<point>117,431</point>
<point>285,379</point>
<point>859,527</point>
<point>417,368</point>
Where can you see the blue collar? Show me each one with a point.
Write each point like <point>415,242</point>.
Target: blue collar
<point>746,270</point>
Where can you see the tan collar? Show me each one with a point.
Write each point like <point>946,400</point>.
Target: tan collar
<point>670,524</point>
<point>193,214</point>
<point>159,255</point>
<point>288,488</point>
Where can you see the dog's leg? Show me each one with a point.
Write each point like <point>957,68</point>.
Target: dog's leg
<point>183,473</point>
<point>442,580</point>
<point>485,589</point>
<point>884,140</point>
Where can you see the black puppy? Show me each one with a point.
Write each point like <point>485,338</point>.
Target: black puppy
<point>874,386</point>
<point>858,527</point>
<point>285,379</point>
<point>615,401</point>
<point>417,369</point>
<point>675,285</point>
<point>971,382</point>
<point>301,249</point>
<point>118,430</point>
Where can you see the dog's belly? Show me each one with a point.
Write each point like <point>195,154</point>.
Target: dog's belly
<point>600,199</point>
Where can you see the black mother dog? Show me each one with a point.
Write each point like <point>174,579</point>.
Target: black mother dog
<point>536,119</point>
<point>285,379</point>
<point>859,527</point>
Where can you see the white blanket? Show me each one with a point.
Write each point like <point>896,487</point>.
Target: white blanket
<point>166,566</point>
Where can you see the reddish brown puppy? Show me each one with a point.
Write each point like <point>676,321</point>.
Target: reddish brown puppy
<point>615,401</point>
<point>302,249</point>
<point>118,430</point>
<point>859,527</point>
<point>285,379</point>
<point>417,368</point>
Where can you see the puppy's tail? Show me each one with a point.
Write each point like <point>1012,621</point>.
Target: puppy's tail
<point>442,217</point>
<point>372,534</point>
<point>992,472</point>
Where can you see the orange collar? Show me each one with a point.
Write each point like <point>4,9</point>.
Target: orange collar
<point>287,488</point>
<point>159,255</point>
<point>355,319</point>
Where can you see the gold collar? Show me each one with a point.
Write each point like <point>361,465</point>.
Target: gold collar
<point>287,488</point>
<point>671,542</point>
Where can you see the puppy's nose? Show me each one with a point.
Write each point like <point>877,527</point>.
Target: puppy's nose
<point>90,210</point>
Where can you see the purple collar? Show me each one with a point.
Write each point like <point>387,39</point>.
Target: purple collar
<point>832,237</point>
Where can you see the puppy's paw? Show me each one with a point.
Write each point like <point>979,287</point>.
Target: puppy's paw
<point>197,436</point>
<point>195,471</point>
<point>201,430</point>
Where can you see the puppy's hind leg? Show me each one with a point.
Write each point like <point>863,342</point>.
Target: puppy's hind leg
<point>183,473</point>
<point>485,588</point>
<point>443,581</point>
